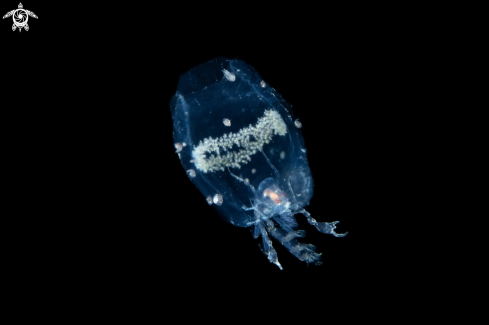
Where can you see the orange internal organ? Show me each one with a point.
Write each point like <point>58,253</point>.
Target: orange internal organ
<point>272,195</point>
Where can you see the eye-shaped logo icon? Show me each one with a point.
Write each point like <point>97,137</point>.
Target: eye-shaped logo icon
<point>20,17</point>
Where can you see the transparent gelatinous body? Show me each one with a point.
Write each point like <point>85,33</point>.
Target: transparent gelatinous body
<point>253,170</point>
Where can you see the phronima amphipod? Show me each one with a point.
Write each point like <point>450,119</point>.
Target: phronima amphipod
<point>239,145</point>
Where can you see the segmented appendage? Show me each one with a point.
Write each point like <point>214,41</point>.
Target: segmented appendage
<point>288,238</point>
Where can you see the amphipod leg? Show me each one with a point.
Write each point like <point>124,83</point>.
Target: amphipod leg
<point>243,181</point>
<point>277,175</point>
<point>267,246</point>
<point>324,227</point>
<point>304,252</point>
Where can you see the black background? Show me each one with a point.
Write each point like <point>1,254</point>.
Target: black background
<point>99,198</point>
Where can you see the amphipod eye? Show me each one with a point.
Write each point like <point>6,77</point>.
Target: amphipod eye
<point>255,173</point>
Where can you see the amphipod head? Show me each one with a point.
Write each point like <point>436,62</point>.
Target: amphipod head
<point>270,199</point>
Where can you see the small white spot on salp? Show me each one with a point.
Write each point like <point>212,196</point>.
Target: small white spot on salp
<point>246,180</point>
<point>217,199</point>
<point>178,146</point>
<point>209,200</point>
<point>303,150</point>
<point>227,122</point>
<point>191,173</point>
<point>229,75</point>
<point>282,155</point>
<point>184,144</point>
<point>263,84</point>
<point>192,161</point>
<point>298,124</point>
<point>253,171</point>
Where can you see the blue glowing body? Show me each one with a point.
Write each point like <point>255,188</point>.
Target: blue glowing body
<point>239,145</point>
